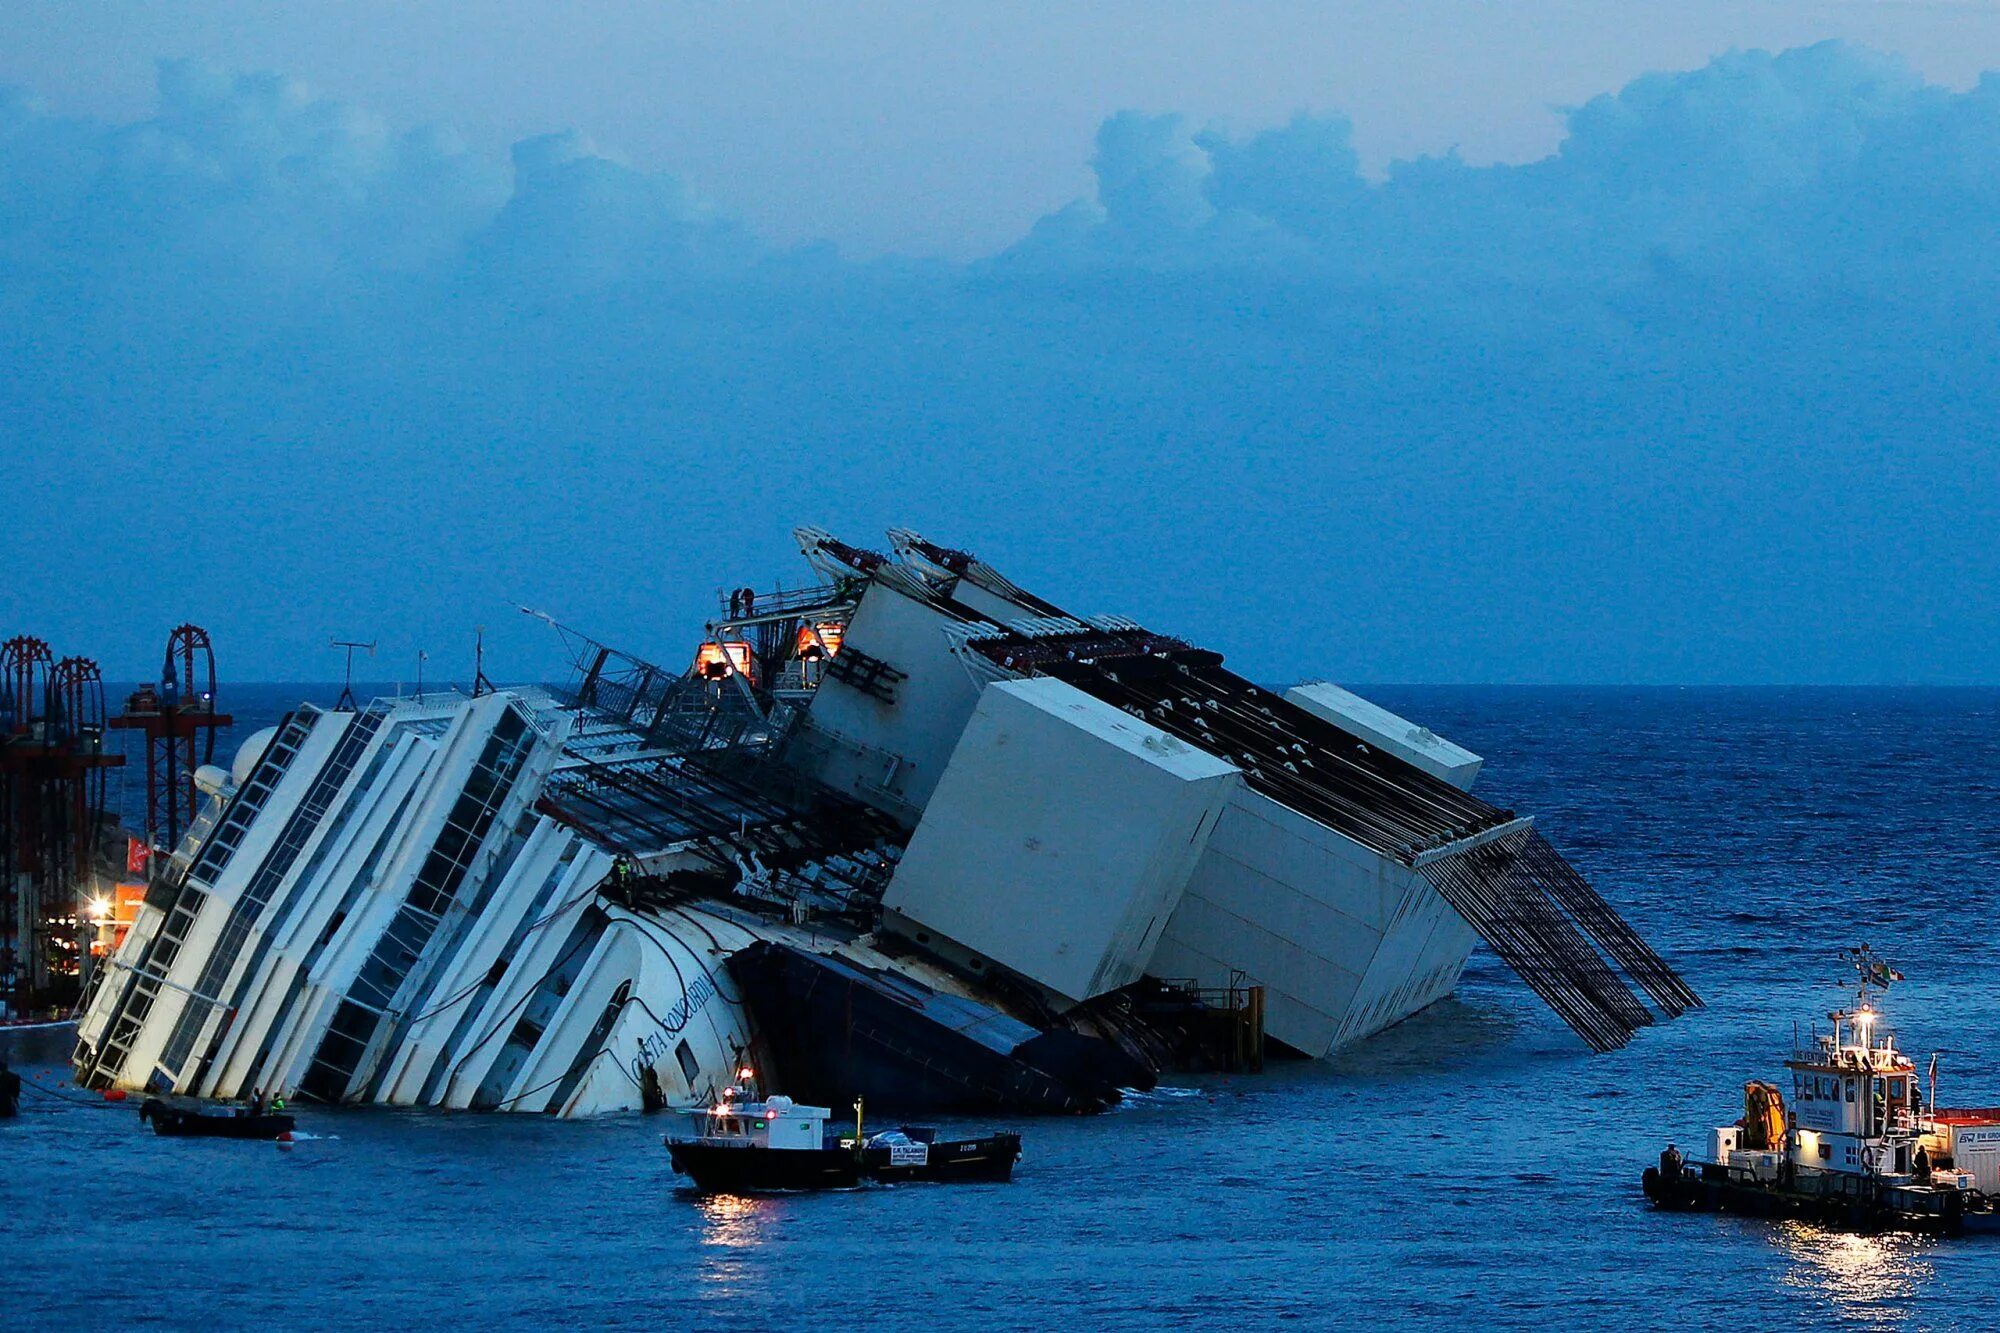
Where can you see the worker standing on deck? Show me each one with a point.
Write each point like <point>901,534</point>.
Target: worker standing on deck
<point>1921,1164</point>
<point>1670,1163</point>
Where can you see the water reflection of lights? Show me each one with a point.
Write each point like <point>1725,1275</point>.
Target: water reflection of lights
<point>1873,1279</point>
<point>735,1221</point>
<point>733,1229</point>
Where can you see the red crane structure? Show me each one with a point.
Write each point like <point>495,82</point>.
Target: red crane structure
<point>52,777</point>
<point>179,721</point>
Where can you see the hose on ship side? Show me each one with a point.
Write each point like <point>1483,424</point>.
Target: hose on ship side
<point>526,931</point>
<point>535,925</point>
<point>680,977</point>
<point>636,1068</point>
<point>88,1103</point>
<point>515,1008</point>
<point>664,1026</point>
<point>443,1005</point>
<point>582,1062</point>
<point>713,979</point>
<point>529,994</point>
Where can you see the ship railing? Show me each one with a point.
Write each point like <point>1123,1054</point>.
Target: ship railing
<point>1848,1186</point>
<point>796,678</point>
<point>1921,1199</point>
<point>1735,1175</point>
<point>1235,1011</point>
<point>1840,1184</point>
<point>782,602</point>
<point>1825,1184</point>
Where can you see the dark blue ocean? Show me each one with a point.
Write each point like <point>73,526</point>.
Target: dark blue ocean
<point>1473,1167</point>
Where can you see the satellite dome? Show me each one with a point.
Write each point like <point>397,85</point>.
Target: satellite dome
<point>248,753</point>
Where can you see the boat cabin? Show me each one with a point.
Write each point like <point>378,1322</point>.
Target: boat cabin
<point>1856,1104</point>
<point>777,1122</point>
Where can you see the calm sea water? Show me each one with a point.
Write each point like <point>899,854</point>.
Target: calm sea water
<point>1472,1167</point>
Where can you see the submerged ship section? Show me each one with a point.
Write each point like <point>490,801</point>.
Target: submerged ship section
<point>911,833</point>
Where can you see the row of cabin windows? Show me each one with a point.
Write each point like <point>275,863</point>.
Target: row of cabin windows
<point>1822,1089</point>
<point>250,904</point>
<point>436,885</point>
<point>1829,1089</point>
<point>242,809</point>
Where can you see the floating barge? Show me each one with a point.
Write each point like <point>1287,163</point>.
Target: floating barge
<point>1016,859</point>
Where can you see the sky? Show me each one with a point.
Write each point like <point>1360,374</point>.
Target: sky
<point>919,128</point>
<point>1542,343</point>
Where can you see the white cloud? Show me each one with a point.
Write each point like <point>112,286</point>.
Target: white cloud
<point>1705,394</point>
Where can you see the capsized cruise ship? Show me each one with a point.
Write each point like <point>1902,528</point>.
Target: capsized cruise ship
<point>910,832</point>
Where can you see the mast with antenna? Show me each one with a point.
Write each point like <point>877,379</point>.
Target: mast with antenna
<point>480,685</point>
<point>346,702</point>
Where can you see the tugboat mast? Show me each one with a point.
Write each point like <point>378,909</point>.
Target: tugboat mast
<point>1870,970</point>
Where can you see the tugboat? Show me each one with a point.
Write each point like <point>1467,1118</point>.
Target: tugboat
<point>1860,1147</point>
<point>743,1145</point>
<point>185,1120</point>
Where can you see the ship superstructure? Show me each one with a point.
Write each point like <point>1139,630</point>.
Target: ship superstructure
<point>920,830</point>
<point>1310,840</point>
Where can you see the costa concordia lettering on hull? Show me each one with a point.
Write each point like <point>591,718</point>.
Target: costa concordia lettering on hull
<point>912,833</point>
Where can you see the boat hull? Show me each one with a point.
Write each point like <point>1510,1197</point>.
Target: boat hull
<point>966,1161</point>
<point>176,1122</point>
<point>729,1168</point>
<point>1858,1205</point>
<point>742,1168</point>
